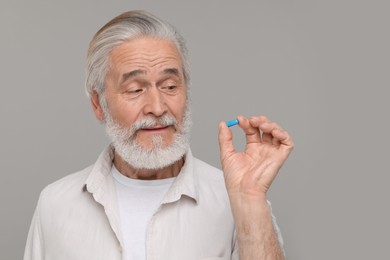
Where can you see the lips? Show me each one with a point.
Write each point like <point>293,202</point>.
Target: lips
<point>155,128</point>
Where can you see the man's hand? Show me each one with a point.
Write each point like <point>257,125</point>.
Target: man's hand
<point>248,176</point>
<point>251,172</point>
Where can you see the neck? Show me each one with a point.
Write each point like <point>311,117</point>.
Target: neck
<point>147,174</point>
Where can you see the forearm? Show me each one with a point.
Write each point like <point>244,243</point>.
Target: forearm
<point>256,234</point>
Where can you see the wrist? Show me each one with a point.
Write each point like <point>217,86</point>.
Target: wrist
<point>240,197</point>
<point>252,210</point>
<point>255,229</point>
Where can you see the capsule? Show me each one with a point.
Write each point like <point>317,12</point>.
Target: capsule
<point>232,123</point>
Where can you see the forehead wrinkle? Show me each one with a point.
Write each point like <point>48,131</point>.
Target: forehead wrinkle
<point>142,59</point>
<point>125,59</point>
<point>155,58</point>
<point>162,66</point>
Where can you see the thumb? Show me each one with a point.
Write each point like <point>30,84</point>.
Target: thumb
<point>225,139</point>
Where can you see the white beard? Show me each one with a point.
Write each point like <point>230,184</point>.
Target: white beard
<point>157,157</point>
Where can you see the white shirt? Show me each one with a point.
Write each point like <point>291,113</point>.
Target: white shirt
<point>77,217</point>
<point>138,200</point>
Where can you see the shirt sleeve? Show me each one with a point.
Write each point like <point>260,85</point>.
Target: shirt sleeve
<point>34,244</point>
<point>277,230</point>
<point>236,250</point>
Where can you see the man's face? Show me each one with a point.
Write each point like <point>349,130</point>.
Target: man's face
<point>145,103</point>
<point>145,80</point>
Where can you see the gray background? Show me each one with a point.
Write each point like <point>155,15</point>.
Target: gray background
<point>319,68</point>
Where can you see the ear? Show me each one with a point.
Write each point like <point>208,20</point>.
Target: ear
<point>97,108</point>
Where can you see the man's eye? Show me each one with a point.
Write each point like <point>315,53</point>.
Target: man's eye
<point>170,88</point>
<point>134,92</point>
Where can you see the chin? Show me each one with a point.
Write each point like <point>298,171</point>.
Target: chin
<point>155,142</point>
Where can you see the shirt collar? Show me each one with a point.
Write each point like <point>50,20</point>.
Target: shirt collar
<point>100,183</point>
<point>186,182</point>
<point>96,182</point>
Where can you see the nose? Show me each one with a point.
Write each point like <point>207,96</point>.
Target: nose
<point>154,103</point>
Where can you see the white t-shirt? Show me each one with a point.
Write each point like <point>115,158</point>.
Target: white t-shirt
<point>138,200</point>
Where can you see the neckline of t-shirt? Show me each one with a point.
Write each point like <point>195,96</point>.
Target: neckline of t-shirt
<point>136,182</point>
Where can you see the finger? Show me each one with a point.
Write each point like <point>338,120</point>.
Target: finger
<point>280,137</point>
<point>272,132</point>
<point>225,139</point>
<point>255,122</point>
<point>252,134</point>
<point>267,127</point>
<point>271,129</point>
<point>275,140</point>
<point>266,138</point>
<point>284,139</point>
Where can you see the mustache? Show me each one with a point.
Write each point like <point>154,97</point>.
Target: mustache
<point>150,122</point>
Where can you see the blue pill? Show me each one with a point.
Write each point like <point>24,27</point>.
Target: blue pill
<point>232,122</point>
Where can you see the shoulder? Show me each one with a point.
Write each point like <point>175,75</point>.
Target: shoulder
<point>65,188</point>
<point>211,180</point>
<point>213,196</point>
<point>205,170</point>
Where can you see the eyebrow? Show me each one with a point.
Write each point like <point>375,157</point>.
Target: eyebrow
<point>131,74</point>
<point>171,71</point>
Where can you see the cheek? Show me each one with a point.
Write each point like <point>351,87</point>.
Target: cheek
<point>179,106</point>
<point>178,112</point>
<point>124,113</point>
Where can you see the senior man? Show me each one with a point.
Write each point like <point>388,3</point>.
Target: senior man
<point>147,197</point>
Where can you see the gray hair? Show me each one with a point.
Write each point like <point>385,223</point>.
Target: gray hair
<point>127,26</point>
